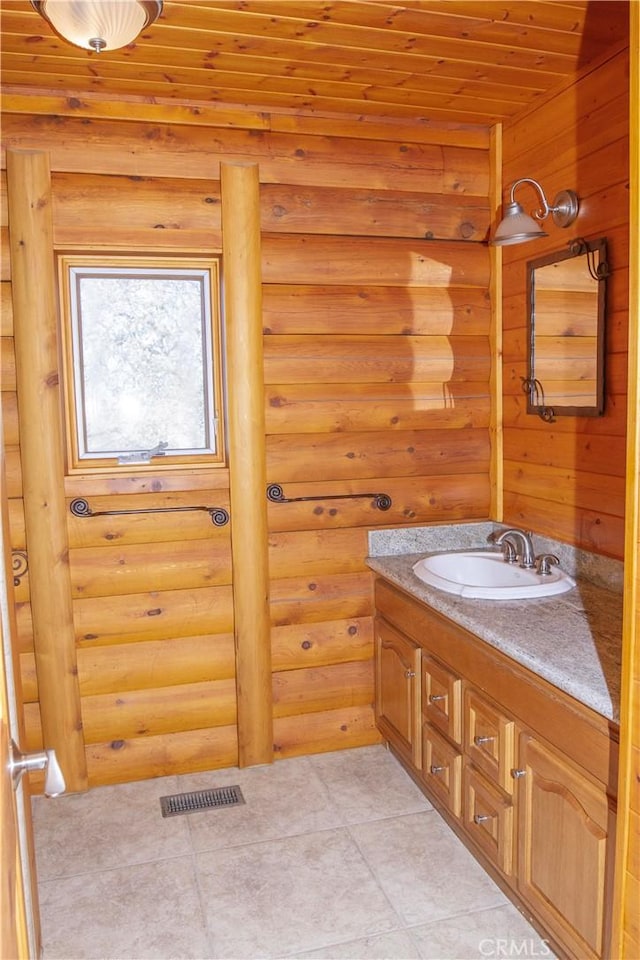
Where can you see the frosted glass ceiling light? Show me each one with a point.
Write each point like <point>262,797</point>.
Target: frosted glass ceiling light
<point>517,226</point>
<point>99,24</point>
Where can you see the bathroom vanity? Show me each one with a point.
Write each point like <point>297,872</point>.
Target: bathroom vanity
<point>505,714</point>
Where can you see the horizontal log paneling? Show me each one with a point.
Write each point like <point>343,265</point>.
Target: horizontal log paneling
<point>593,491</point>
<point>370,359</point>
<point>5,260</point>
<point>315,689</point>
<point>373,213</point>
<point>7,364</point>
<point>28,677</point>
<point>10,425</point>
<point>187,213</point>
<point>151,712</point>
<point>120,761</point>
<point>96,572</point>
<point>404,453</point>
<point>318,644</point>
<point>6,309</point>
<point>155,663</point>
<point>33,727</point>
<point>304,600</point>
<point>208,115</point>
<point>153,616</point>
<point>566,479</point>
<point>155,150</point>
<point>323,732</point>
<point>144,481</point>
<point>598,532</point>
<point>317,308</point>
<point>586,454</point>
<point>307,553</point>
<point>373,262</point>
<point>347,407</point>
<point>24,626</point>
<point>16,524</point>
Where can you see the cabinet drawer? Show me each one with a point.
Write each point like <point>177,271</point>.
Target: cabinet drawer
<point>442,769</point>
<point>489,739</point>
<point>441,698</point>
<point>488,818</point>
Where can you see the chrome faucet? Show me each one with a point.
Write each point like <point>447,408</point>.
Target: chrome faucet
<point>522,539</point>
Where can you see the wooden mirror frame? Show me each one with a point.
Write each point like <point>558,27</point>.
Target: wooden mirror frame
<point>595,261</point>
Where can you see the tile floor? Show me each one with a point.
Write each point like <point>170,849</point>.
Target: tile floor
<point>333,856</point>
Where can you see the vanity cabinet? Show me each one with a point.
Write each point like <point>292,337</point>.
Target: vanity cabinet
<point>521,771</point>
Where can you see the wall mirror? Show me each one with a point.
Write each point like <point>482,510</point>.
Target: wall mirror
<point>566,296</point>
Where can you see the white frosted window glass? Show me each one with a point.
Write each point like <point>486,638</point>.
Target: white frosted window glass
<point>143,370</point>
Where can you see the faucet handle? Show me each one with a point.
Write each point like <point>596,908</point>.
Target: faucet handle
<point>543,563</point>
<point>509,551</point>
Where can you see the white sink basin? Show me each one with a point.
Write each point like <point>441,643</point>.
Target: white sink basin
<point>484,575</point>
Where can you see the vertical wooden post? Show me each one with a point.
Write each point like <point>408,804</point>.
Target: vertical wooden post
<point>625,937</point>
<point>34,306</point>
<point>247,459</point>
<point>496,469</point>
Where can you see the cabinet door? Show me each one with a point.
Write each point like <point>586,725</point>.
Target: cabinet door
<point>441,698</point>
<point>564,819</point>
<point>441,768</point>
<point>489,738</point>
<point>398,690</point>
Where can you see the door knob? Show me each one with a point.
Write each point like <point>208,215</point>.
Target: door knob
<point>20,763</point>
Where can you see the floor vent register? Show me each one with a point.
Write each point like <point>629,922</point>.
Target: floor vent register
<point>201,800</point>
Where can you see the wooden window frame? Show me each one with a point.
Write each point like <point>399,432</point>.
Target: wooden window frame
<point>78,464</point>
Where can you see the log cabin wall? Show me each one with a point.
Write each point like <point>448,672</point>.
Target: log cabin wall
<point>567,479</point>
<point>376,380</point>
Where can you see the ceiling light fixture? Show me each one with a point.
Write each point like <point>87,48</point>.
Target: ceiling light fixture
<point>517,226</point>
<point>99,24</point>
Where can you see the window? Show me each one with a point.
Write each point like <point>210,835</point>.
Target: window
<point>142,360</point>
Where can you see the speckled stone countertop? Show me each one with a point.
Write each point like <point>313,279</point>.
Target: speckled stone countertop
<point>572,640</point>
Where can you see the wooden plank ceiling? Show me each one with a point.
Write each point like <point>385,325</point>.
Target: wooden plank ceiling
<point>463,61</point>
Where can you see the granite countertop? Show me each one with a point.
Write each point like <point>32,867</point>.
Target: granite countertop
<point>572,640</point>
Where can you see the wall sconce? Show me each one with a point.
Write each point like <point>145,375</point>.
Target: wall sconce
<point>517,226</point>
<point>99,24</point>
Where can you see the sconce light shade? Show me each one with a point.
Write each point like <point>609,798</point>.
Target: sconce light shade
<point>99,24</point>
<point>517,226</point>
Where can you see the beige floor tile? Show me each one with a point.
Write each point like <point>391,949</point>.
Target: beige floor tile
<point>368,784</point>
<point>281,799</point>
<point>150,910</point>
<point>397,945</point>
<point>497,934</point>
<point>424,869</point>
<point>300,893</point>
<point>106,827</point>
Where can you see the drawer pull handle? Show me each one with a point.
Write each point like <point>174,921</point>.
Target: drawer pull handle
<point>435,770</point>
<point>481,817</point>
<point>437,697</point>
<point>516,774</point>
<point>480,740</point>
<point>409,674</point>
